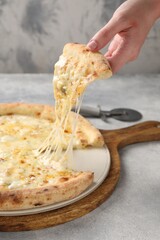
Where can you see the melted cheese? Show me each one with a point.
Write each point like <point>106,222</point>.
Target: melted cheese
<point>68,87</point>
<point>71,76</point>
<point>20,136</point>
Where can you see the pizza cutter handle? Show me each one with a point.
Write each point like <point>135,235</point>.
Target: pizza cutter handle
<point>142,132</point>
<point>88,111</point>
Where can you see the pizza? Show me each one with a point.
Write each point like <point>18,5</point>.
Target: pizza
<point>36,140</point>
<point>25,181</point>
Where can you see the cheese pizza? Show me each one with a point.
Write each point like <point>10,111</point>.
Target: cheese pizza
<point>36,140</point>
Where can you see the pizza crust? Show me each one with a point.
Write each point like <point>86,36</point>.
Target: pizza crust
<point>87,133</point>
<point>35,110</point>
<point>66,188</point>
<point>97,65</point>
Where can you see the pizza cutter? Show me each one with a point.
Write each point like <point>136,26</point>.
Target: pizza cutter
<point>121,114</point>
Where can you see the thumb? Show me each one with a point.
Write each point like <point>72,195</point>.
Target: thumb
<point>105,34</point>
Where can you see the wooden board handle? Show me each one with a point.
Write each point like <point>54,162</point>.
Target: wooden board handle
<point>142,132</point>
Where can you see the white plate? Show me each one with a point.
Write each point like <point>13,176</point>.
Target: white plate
<point>94,160</point>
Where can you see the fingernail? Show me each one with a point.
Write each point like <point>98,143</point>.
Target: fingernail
<point>92,45</point>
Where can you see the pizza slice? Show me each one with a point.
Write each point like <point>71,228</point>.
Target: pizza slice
<point>77,67</point>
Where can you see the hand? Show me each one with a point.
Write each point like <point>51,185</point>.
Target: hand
<point>127,29</point>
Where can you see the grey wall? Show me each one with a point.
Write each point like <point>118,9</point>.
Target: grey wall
<point>33,32</point>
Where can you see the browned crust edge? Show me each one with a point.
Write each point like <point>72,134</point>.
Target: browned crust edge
<point>67,188</point>
<point>30,109</point>
<point>94,60</point>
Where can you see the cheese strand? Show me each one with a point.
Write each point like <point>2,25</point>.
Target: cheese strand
<point>52,149</point>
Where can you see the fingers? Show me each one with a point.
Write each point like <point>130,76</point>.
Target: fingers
<point>127,29</point>
<point>113,46</point>
<point>122,50</point>
<point>104,36</point>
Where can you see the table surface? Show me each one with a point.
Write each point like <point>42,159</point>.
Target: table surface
<point>133,210</point>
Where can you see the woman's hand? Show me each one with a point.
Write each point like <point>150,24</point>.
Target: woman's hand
<point>126,30</point>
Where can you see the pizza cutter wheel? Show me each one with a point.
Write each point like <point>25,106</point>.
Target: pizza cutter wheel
<point>121,114</point>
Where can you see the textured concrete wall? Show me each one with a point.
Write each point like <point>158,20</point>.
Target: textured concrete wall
<point>33,32</point>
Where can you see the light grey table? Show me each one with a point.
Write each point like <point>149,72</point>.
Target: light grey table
<point>133,210</point>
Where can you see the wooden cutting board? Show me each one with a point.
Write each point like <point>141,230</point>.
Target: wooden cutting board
<point>115,139</point>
